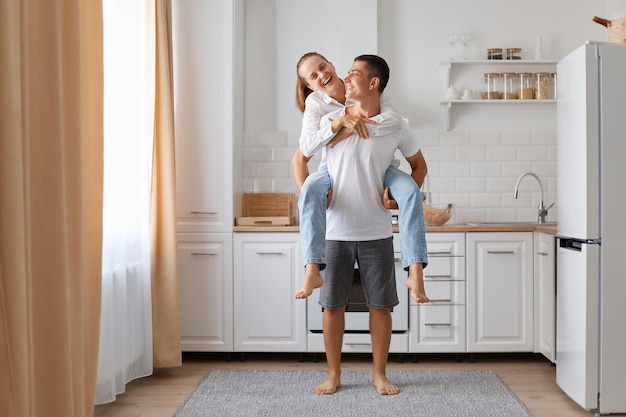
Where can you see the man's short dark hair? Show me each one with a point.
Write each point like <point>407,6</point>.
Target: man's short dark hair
<point>376,67</point>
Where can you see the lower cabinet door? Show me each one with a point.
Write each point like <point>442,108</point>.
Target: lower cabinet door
<point>205,269</point>
<point>268,271</point>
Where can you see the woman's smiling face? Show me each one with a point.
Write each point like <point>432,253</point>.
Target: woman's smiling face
<point>320,75</point>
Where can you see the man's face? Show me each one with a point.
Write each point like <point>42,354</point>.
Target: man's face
<point>320,75</point>
<point>357,81</point>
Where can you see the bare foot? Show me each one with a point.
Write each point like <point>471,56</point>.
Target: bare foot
<point>312,280</point>
<point>415,283</point>
<point>384,387</point>
<point>329,386</point>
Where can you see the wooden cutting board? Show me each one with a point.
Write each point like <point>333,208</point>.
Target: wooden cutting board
<point>267,209</point>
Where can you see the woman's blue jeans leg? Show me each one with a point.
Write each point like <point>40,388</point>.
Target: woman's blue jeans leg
<point>312,209</point>
<point>411,216</point>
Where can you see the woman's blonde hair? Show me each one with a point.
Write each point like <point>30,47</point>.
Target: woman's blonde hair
<point>302,87</point>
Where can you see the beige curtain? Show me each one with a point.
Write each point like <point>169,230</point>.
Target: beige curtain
<point>50,205</point>
<point>165,294</point>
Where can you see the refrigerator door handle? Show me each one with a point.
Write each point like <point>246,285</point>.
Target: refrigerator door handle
<point>576,244</point>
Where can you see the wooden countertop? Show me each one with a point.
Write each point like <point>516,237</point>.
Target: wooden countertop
<point>549,227</point>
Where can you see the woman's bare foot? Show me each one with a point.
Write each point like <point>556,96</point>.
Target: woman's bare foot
<point>384,387</point>
<point>312,280</point>
<point>329,386</point>
<point>415,283</point>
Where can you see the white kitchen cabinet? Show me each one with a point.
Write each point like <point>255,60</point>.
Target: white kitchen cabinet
<point>439,326</point>
<point>268,271</point>
<point>500,292</point>
<point>545,294</point>
<point>205,262</point>
<point>203,39</point>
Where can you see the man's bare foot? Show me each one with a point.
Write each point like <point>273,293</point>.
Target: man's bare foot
<point>384,387</point>
<point>329,386</point>
<point>415,283</point>
<point>312,280</point>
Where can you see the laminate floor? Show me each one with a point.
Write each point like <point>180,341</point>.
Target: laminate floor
<point>530,376</point>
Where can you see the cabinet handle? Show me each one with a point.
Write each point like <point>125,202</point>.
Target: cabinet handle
<point>203,254</point>
<point>358,344</point>
<point>437,324</point>
<point>501,252</point>
<point>441,299</point>
<point>397,259</point>
<point>542,253</point>
<point>204,212</point>
<point>440,253</point>
<point>270,253</point>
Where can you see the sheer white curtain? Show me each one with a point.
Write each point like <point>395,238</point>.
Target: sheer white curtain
<point>129,74</point>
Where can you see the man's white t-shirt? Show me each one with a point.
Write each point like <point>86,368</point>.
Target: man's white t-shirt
<point>357,170</point>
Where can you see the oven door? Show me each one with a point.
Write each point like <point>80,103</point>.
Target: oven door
<point>357,315</point>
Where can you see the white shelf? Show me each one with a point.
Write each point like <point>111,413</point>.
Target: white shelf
<point>516,63</point>
<point>499,101</point>
<point>500,62</point>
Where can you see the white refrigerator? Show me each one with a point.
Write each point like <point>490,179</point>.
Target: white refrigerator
<point>591,202</point>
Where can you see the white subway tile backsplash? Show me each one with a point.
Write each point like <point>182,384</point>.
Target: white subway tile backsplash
<point>485,200</point>
<point>455,169</point>
<point>284,154</point>
<point>432,154</point>
<point>257,154</point>
<point>515,169</point>
<point>532,153</point>
<point>272,170</point>
<point>274,139</point>
<point>453,138</point>
<point>486,169</point>
<point>485,138</point>
<point>516,138</point>
<point>470,153</point>
<point>502,153</point>
<point>471,184</point>
<point>476,171</point>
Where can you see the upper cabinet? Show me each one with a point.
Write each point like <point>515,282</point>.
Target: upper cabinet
<point>203,38</point>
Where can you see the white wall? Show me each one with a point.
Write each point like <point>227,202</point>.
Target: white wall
<point>476,163</point>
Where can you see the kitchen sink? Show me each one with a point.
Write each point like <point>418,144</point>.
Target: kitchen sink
<point>504,224</point>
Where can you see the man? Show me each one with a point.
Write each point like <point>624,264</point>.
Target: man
<point>359,226</point>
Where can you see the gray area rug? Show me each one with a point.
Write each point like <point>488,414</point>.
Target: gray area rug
<point>227,393</point>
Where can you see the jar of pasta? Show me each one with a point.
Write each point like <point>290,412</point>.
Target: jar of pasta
<point>553,84</point>
<point>526,86</point>
<point>492,86</point>
<point>509,85</point>
<point>542,86</point>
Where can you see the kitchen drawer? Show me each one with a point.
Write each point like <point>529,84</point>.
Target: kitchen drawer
<point>444,292</point>
<point>445,268</point>
<point>439,328</point>
<point>439,244</point>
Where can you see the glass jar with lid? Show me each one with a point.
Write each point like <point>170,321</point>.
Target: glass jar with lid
<point>525,84</point>
<point>514,53</point>
<point>492,86</point>
<point>494,53</point>
<point>509,85</point>
<point>553,84</point>
<point>542,86</point>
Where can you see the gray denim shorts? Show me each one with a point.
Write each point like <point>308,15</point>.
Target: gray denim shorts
<point>376,266</point>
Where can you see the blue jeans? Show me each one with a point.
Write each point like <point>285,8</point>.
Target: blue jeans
<point>312,206</point>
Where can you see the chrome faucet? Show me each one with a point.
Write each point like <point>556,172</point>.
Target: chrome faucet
<point>542,211</point>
